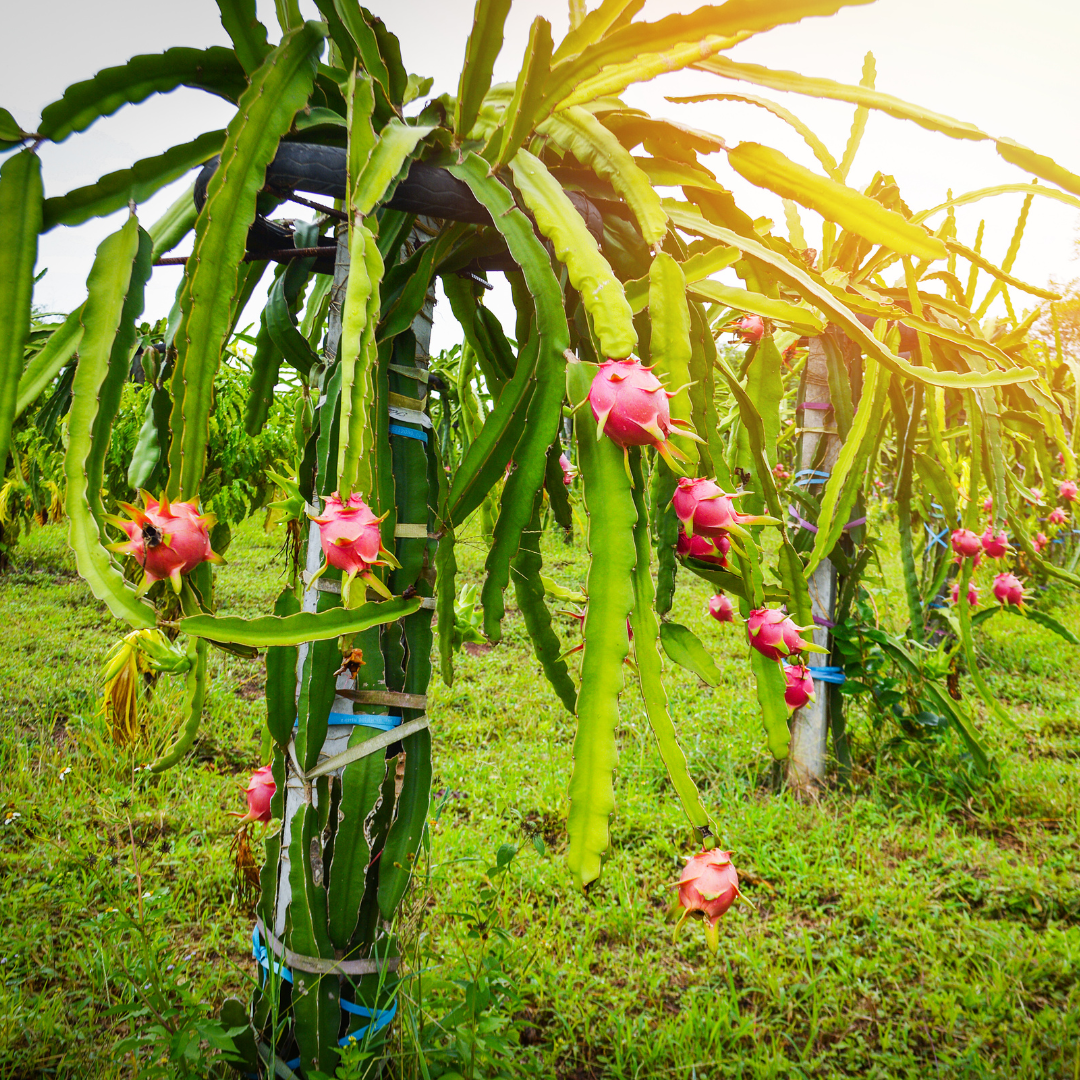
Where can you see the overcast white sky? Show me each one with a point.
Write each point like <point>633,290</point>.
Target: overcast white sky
<point>1009,68</point>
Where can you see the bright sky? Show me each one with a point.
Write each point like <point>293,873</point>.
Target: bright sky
<point>1008,68</point>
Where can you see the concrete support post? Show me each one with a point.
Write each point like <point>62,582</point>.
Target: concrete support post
<point>819,449</point>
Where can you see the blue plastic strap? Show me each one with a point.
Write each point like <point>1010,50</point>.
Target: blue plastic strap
<point>258,951</point>
<point>811,476</point>
<point>379,1019</point>
<point>408,432</point>
<point>379,722</point>
<point>828,674</point>
<point>936,538</point>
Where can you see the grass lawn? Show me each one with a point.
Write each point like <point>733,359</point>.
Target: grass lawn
<point>919,925</point>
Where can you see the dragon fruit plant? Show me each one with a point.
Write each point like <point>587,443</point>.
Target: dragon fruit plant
<point>667,431</point>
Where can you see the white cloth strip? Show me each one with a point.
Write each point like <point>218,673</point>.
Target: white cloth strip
<point>410,416</point>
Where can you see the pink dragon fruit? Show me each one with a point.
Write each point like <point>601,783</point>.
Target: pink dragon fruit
<point>1057,516</point>
<point>1040,542</point>
<point>780,472</point>
<point>703,548</point>
<point>972,594</point>
<point>720,608</point>
<point>631,407</point>
<point>1068,490</point>
<point>800,686</point>
<point>996,545</point>
<point>259,792</point>
<point>709,885</point>
<point>774,635</point>
<point>1061,458</point>
<point>167,539</point>
<point>706,510</point>
<point>568,470</point>
<point>966,543</point>
<point>988,504</point>
<point>750,328</point>
<point>351,541</point>
<point>1009,590</point>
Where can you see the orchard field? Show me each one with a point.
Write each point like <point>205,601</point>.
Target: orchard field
<point>567,589</point>
<point>924,923</point>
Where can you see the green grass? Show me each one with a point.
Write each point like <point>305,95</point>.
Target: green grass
<point>918,925</point>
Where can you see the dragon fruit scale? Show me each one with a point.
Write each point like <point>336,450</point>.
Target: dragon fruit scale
<point>775,635</point>
<point>166,539</point>
<point>709,885</point>
<point>800,686</point>
<point>631,408</point>
<point>352,542</point>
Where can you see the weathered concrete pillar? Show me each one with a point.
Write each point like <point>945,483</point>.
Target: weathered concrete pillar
<point>819,449</point>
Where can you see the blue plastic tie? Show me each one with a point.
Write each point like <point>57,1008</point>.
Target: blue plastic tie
<point>258,951</point>
<point>828,674</point>
<point>380,722</point>
<point>811,476</point>
<point>408,432</point>
<point>379,1017</point>
<point>936,538</point>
